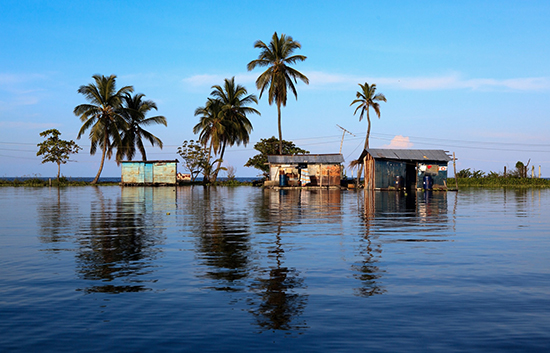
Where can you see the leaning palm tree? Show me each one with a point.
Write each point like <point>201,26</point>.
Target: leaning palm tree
<point>367,98</point>
<point>210,126</point>
<point>102,115</point>
<point>234,100</point>
<point>134,110</point>
<point>279,77</point>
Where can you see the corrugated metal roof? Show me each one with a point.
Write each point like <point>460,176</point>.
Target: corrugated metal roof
<point>408,155</point>
<point>306,158</point>
<point>148,162</point>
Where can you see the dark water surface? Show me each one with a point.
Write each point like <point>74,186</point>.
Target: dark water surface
<point>194,269</point>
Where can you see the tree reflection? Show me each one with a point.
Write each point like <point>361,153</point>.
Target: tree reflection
<point>367,270</point>
<point>56,225</point>
<point>223,236</point>
<point>119,244</point>
<point>279,304</point>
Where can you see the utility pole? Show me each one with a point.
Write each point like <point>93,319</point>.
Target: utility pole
<point>343,134</point>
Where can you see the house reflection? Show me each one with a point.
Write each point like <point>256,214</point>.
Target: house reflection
<point>398,216</point>
<point>121,242</point>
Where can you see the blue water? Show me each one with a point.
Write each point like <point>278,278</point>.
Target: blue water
<point>170,269</point>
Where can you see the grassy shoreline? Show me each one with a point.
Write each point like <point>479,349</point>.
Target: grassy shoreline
<point>63,182</point>
<point>500,182</point>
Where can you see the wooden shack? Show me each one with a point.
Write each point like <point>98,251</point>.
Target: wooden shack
<point>386,169</point>
<point>305,170</point>
<point>149,172</point>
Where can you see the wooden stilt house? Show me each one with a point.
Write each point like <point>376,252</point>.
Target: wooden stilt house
<point>305,170</point>
<point>386,169</point>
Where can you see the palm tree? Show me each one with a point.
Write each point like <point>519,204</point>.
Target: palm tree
<point>210,127</point>
<point>279,76</point>
<point>366,98</point>
<point>234,99</point>
<point>102,115</point>
<point>224,118</point>
<point>134,110</point>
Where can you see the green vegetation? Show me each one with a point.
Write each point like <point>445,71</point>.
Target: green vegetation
<point>270,147</point>
<point>515,178</point>
<point>56,150</point>
<point>500,182</point>
<point>279,76</point>
<point>224,122</point>
<point>114,119</point>
<point>134,110</point>
<point>36,181</point>
<point>194,157</point>
<point>102,116</point>
<point>366,98</point>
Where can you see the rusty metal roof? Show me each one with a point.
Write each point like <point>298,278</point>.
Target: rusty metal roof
<point>306,158</point>
<point>407,155</point>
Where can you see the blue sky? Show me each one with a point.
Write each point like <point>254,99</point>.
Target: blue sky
<point>470,77</point>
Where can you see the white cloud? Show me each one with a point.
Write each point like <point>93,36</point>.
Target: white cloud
<point>28,125</point>
<point>399,142</point>
<point>324,80</point>
<point>208,80</point>
<point>443,82</point>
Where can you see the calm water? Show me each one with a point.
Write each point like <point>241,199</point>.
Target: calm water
<point>244,269</point>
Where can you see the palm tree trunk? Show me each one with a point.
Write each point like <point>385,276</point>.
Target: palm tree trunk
<point>220,162</point>
<point>368,130</point>
<point>280,129</point>
<point>102,159</point>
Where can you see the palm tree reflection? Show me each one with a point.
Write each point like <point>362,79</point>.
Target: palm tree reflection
<point>223,237</point>
<point>278,304</point>
<point>367,271</point>
<point>120,243</point>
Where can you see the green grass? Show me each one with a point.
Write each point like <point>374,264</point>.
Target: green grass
<point>500,182</point>
<point>38,182</point>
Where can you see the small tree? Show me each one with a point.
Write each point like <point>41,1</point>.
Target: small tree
<point>231,172</point>
<point>270,146</point>
<point>195,157</point>
<point>56,150</point>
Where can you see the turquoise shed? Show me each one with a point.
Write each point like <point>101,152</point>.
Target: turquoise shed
<point>149,172</point>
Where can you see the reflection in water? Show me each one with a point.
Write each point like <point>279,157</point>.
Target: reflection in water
<point>279,303</point>
<point>366,270</point>
<point>56,227</point>
<point>121,241</point>
<point>223,234</point>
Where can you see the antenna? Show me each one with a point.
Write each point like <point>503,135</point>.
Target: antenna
<point>343,134</point>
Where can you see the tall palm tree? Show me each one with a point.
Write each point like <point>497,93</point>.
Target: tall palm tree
<point>279,76</point>
<point>234,100</point>
<point>210,127</point>
<point>102,115</point>
<point>224,118</point>
<point>367,98</point>
<point>134,110</point>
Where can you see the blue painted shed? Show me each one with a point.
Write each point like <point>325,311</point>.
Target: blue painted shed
<point>149,172</point>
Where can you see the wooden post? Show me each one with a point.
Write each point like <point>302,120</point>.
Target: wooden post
<point>454,167</point>
<point>539,171</point>
<point>365,170</point>
<point>505,171</point>
<point>532,171</point>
